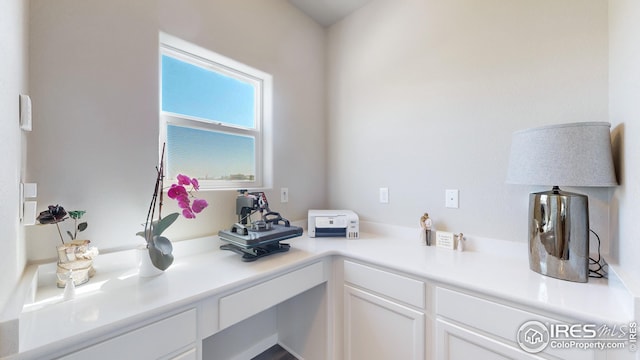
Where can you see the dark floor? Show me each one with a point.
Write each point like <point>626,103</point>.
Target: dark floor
<point>276,352</point>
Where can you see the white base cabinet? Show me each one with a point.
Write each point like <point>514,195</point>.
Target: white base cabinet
<point>471,327</point>
<point>384,316</point>
<point>390,315</point>
<point>376,328</point>
<point>236,325</point>
<point>339,309</point>
<point>459,343</point>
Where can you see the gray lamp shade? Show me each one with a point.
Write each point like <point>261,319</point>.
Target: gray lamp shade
<point>577,154</point>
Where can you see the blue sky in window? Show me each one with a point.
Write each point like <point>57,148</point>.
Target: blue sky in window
<point>191,90</point>
<point>208,155</point>
<point>195,91</point>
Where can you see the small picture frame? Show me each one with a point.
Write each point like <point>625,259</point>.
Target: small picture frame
<point>445,239</point>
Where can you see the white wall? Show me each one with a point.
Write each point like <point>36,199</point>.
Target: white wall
<point>94,75</point>
<point>13,81</point>
<point>424,96</point>
<point>624,110</point>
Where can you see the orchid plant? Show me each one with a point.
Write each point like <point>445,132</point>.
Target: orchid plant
<point>160,248</point>
<point>183,196</point>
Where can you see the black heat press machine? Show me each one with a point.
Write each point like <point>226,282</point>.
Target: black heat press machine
<point>255,239</point>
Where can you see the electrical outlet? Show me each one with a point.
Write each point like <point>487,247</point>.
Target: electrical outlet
<point>284,195</point>
<point>384,195</point>
<point>451,200</point>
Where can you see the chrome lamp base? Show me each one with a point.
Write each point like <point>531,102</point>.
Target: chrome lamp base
<point>559,234</point>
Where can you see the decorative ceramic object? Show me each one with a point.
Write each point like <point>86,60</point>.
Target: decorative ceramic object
<point>460,246</point>
<point>145,266</point>
<point>76,258</point>
<point>69,287</point>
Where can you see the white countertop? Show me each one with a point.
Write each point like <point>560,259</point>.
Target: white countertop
<point>116,297</point>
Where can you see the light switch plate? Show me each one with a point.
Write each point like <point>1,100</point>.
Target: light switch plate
<point>25,112</point>
<point>30,190</point>
<point>28,207</point>
<point>29,215</point>
<point>384,195</point>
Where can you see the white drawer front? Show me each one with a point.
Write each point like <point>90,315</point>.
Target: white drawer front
<point>153,341</point>
<point>246,303</point>
<point>496,319</point>
<point>407,290</point>
<point>491,317</point>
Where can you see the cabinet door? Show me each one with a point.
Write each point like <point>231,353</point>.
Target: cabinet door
<point>456,343</point>
<point>376,328</point>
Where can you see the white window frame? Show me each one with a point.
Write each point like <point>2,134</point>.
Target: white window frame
<point>262,133</point>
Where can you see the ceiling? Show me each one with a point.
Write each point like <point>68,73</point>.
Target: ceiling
<point>328,12</point>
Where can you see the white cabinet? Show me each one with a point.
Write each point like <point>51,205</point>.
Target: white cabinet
<point>170,338</point>
<point>383,314</point>
<point>460,343</point>
<point>470,327</point>
<point>336,308</point>
<point>376,328</point>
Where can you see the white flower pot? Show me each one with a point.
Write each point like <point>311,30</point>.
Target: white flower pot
<point>145,266</point>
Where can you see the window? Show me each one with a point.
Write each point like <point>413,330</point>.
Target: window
<point>215,117</point>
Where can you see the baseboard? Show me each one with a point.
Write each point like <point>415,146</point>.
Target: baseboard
<point>257,348</point>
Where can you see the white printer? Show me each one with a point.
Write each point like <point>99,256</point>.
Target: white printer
<point>324,223</point>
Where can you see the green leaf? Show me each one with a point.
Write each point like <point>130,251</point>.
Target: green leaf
<point>164,223</point>
<point>70,235</point>
<point>163,244</point>
<point>77,214</point>
<point>82,226</point>
<point>160,250</point>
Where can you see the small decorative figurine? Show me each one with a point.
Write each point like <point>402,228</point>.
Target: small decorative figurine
<point>69,287</point>
<point>460,246</point>
<point>425,225</point>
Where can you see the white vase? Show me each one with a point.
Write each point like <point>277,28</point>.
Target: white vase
<point>145,266</point>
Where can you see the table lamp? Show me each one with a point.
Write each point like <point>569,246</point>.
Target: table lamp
<point>577,155</point>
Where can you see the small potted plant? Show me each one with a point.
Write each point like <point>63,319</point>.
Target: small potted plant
<point>75,256</point>
<point>159,247</point>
